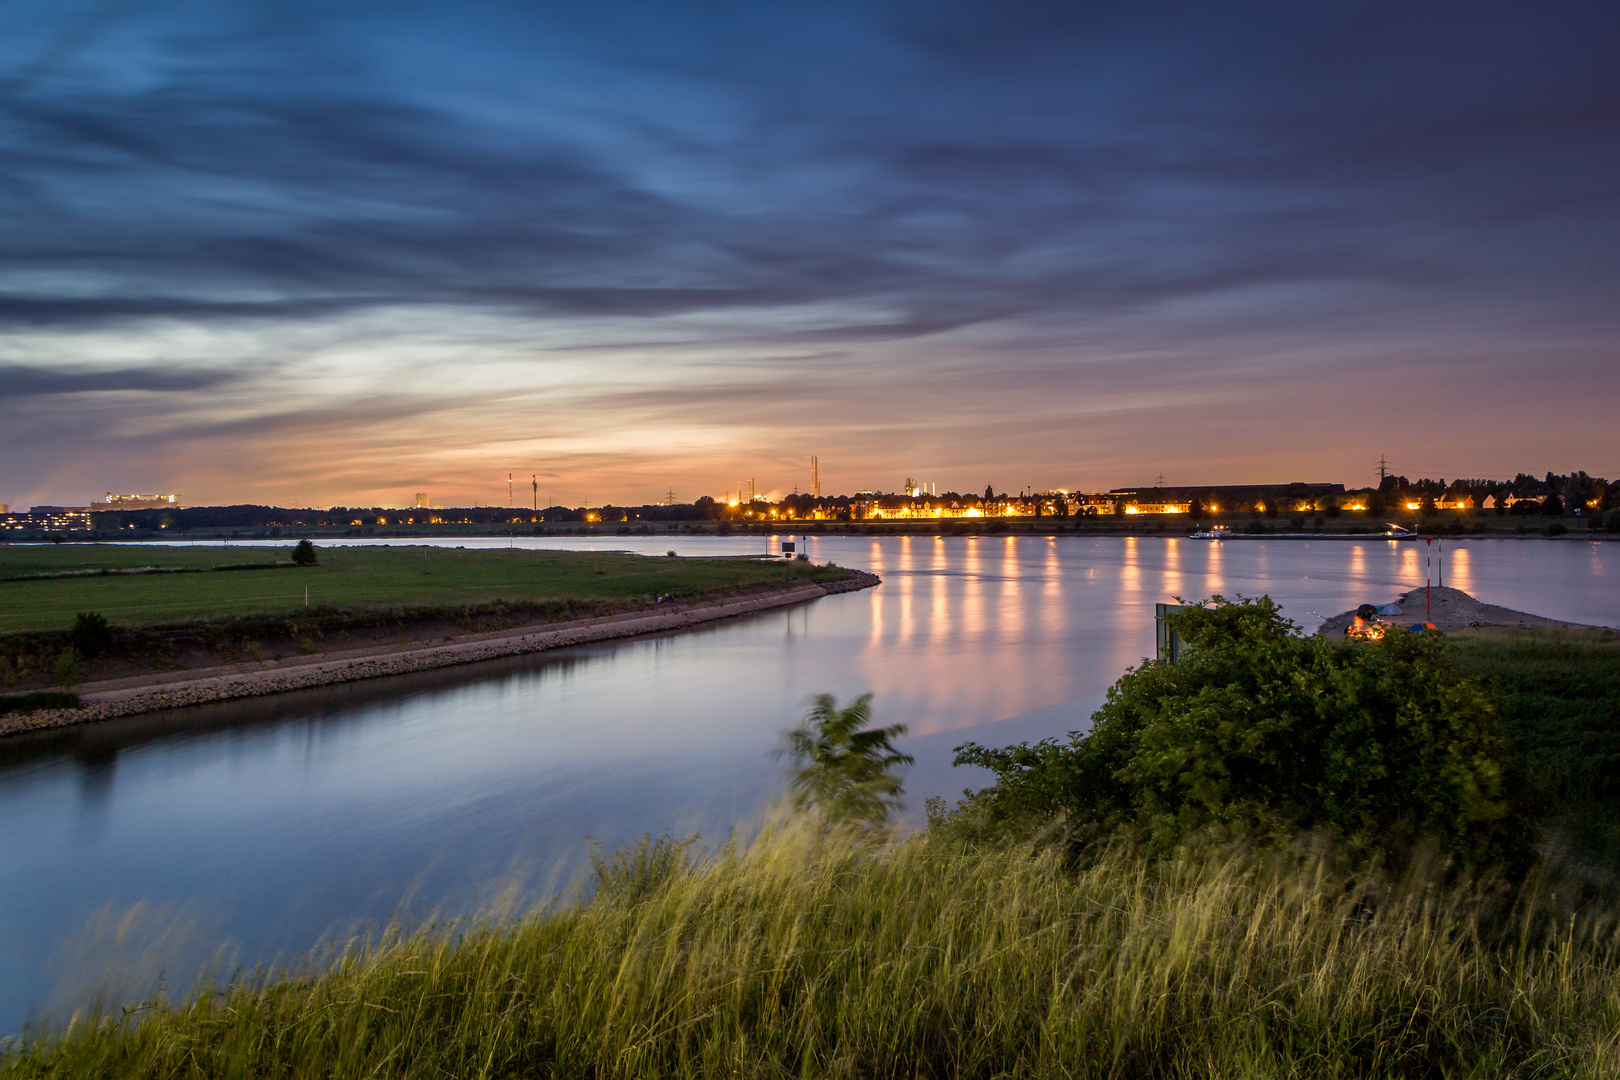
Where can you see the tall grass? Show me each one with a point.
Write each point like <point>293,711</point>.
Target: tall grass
<point>804,955</point>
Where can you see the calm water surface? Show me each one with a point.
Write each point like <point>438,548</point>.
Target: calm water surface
<point>253,831</point>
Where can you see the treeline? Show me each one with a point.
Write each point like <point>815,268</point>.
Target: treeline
<point>1556,493</point>
<point>248,516</point>
<point>1553,494</point>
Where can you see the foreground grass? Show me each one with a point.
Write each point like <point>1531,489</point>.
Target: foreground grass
<point>800,957</point>
<point>1558,696</point>
<point>395,577</point>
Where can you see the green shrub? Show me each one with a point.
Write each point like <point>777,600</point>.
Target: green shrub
<point>1258,729</point>
<point>303,553</point>
<point>69,670</point>
<point>92,635</point>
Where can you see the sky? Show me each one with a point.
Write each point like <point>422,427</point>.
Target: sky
<point>335,253</point>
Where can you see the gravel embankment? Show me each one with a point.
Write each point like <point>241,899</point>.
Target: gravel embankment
<point>130,697</point>
<point>1450,609</point>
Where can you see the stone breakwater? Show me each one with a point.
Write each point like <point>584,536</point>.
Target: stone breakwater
<point>228,684</point>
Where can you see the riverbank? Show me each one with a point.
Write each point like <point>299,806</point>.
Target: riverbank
<point>167,690</point>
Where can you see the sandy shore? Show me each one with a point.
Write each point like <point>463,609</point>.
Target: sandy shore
<point>153,693</point>
<point>1449,610</point>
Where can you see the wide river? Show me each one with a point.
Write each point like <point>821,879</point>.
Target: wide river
<point>255,831</point>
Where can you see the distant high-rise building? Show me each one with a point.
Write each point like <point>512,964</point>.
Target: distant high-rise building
<point>421,500</point>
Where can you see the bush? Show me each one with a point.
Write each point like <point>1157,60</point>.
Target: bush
<point>92,635</point>
<point>1258,729</point>
<point>303,553</point>
<point>1555,528</point>
<point>69,672</point>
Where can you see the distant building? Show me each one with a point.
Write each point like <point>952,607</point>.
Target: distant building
<point>136,502</point>
<point>421,500</point>
<point>5,508</point>
<point>1292,497</point>
<point>47,519</point>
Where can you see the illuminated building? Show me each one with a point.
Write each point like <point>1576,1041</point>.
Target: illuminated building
<point>136,502</point>
<point>48,519</point>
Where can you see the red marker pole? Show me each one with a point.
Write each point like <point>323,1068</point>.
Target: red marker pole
<point>1428,573</point>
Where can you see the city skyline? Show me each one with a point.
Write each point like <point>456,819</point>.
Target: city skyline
<point>336,255</point>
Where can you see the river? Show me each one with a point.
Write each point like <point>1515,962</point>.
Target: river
<point>252,831</point>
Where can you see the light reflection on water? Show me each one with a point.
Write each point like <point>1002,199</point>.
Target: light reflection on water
<point>272,822</point>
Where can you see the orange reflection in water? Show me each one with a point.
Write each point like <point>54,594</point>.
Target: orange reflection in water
<point>1214,582</point>
<point>880,594</point>
<point>1130,570</point>
<point>1459,569</point>
<point>908,588</point>
<point>1173,583</point>
<point>972,623</point>
<point>1010,613</point>
<point>1054,608</point>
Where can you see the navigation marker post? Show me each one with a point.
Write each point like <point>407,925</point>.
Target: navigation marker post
<point>1428,575</point>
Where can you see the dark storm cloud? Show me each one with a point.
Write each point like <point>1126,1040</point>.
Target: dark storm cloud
<point>1214,172</point>
<point>1221,163</point>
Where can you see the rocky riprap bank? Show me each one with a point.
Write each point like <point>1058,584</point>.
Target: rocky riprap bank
<point>1451,609</point>
<point>131,697</point>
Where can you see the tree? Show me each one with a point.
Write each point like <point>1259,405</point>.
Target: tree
<point>989,493</point>
<point>842,768</point>
<point>303,554</point>
<point>1195,508</point>
<point>1552,506</point>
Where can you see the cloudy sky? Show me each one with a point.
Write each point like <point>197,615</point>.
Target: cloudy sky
<point>327,252</point>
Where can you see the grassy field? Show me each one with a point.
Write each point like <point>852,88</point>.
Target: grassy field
<point>800,956</point>
<point>344,577</point>
<point>1558,695</point>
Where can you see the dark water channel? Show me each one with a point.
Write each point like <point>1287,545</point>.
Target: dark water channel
<point>255,830</point>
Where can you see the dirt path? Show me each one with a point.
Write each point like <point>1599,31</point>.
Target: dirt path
<point>153,693</point>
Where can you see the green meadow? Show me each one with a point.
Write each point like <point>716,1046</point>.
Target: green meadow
<point>43,588</point>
